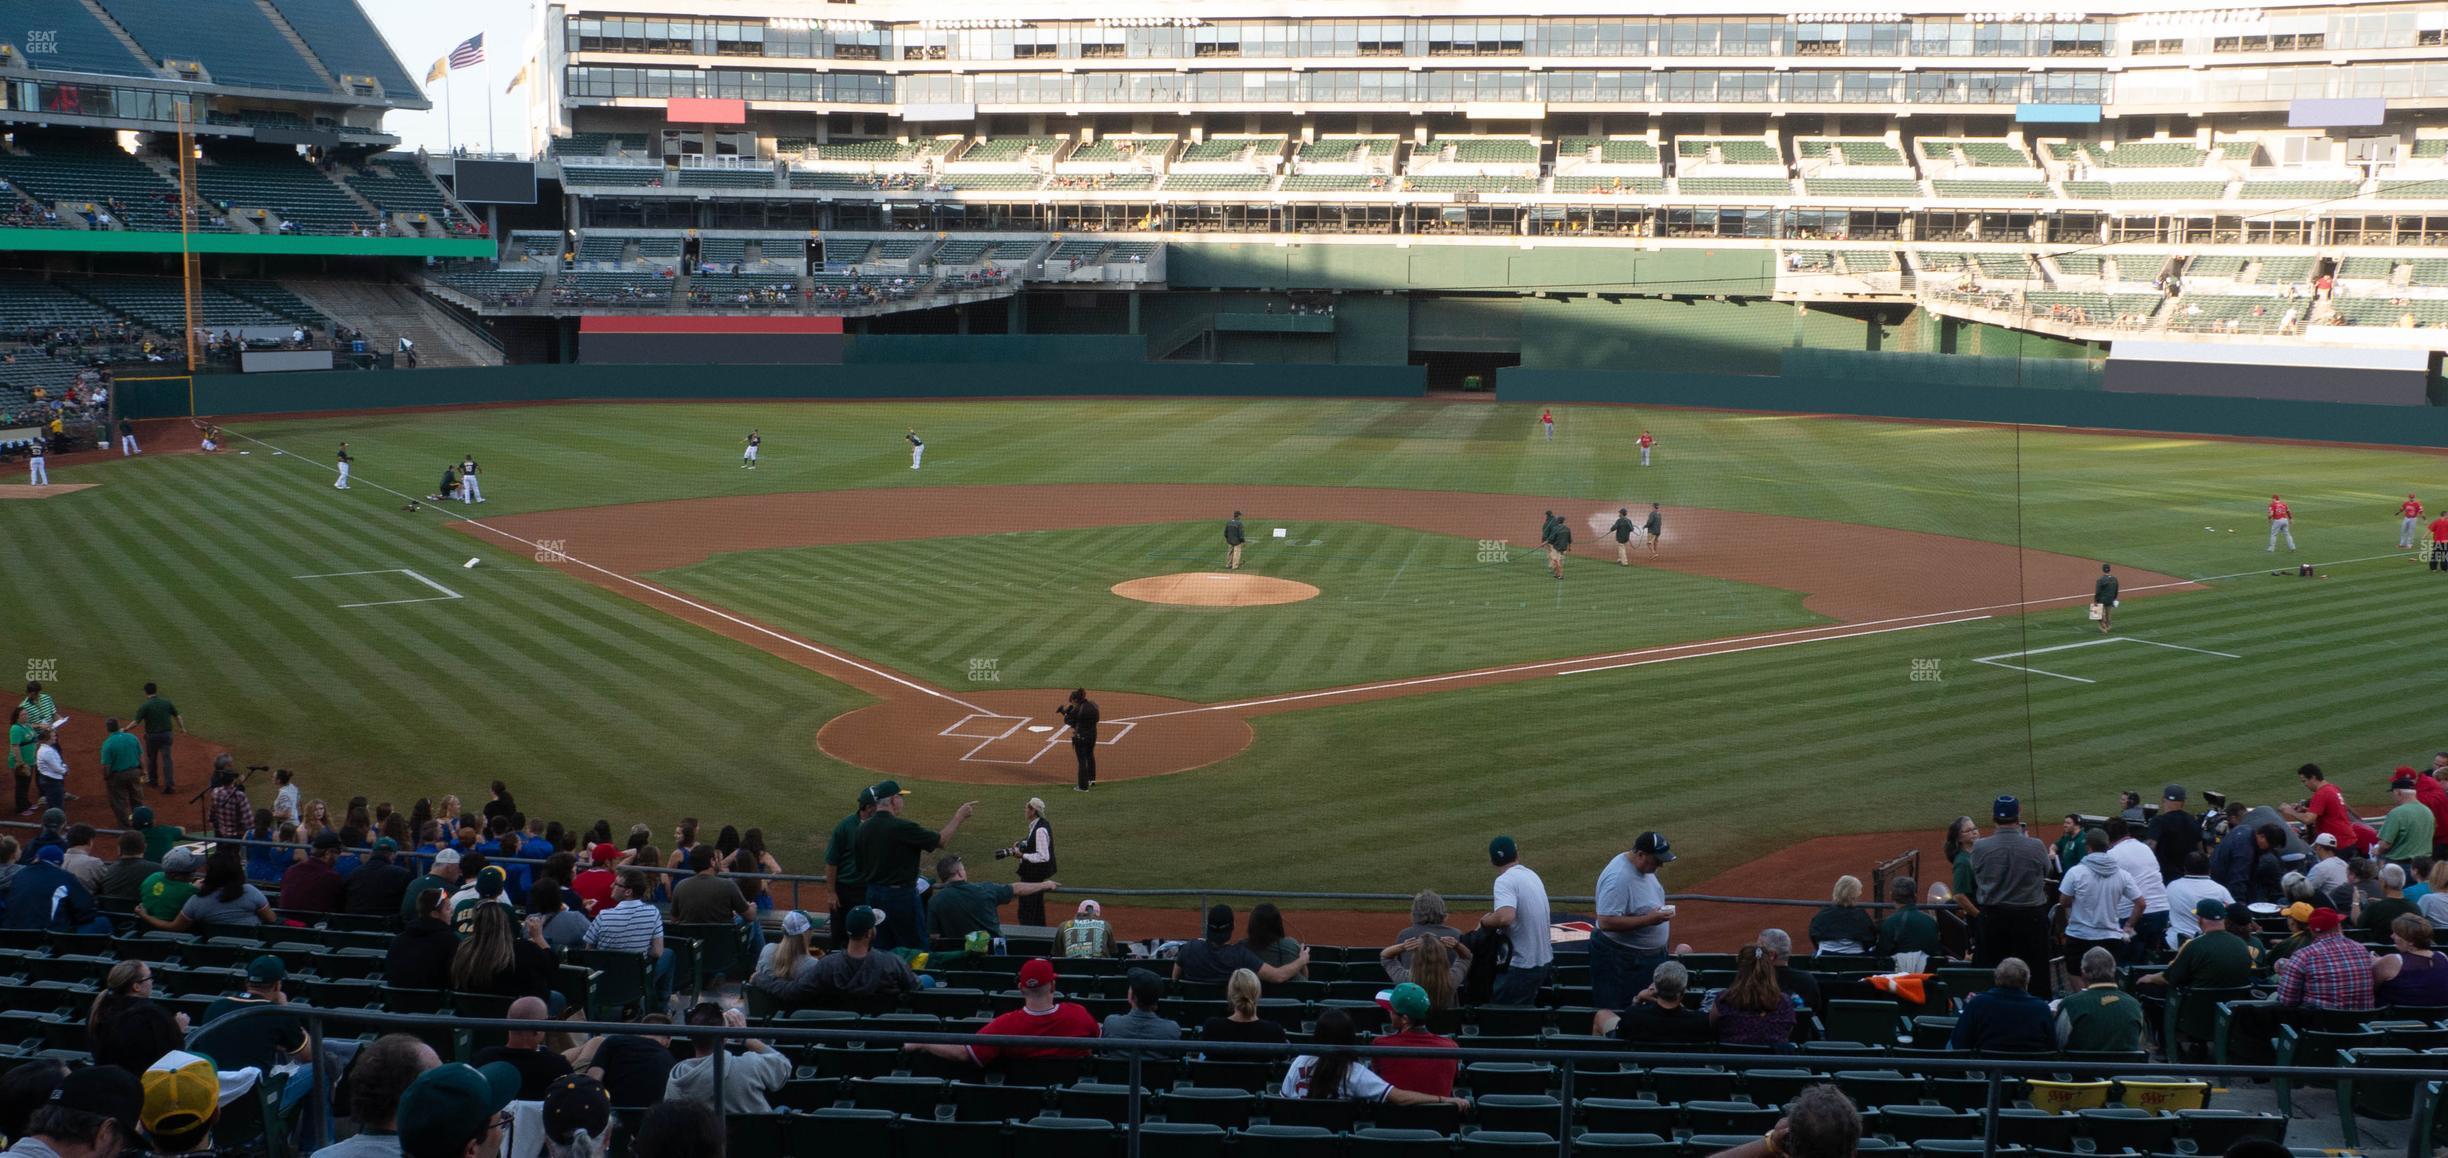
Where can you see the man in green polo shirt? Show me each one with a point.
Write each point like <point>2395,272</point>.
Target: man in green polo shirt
<point>888,848</point>
<point>958,906</point>
<point>159,838</point>
<point>2099,1017</point>
<point>843,874</point>
<point>157,718</point>
<point>2215,960</point>
<point>122,771</point>
<point>23,745</point>
<point>1908,929</point>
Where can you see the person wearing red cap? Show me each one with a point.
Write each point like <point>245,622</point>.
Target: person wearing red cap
<point>1041,1014</point>
<point>2329,972</point>
<point>593,884</point>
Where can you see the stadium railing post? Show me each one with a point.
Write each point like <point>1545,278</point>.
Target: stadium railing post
<point>722,1052</point>
<point>1564,1113</point>
<point>1137,1113</point>
<point>1997,1083</point>
<point>318,1099</point>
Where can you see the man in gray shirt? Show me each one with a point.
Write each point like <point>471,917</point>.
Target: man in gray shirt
<point>1142,1022</point>
<point>1633,926</point>
<point>859,970</point>
<point>2010,876</point>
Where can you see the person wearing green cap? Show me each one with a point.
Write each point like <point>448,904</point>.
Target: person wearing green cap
<point>1407,1025</point>
<point>845,878</point>
<point>258,1041</point>
<point>888,849</point>
<point>455,1111</point>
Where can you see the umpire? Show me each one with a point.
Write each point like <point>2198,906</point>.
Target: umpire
<point>2010,885</point>
<point>1081,713</point>
<point>1233,538</point>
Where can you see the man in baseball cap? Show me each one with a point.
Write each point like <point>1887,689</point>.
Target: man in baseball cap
<point>444,876</point>
<point>259,1041</point>
<point>2329,971</point>
<point>1633,932</point>
<point>593,883</point>
<point>845,877</point>
<point>888,847</point>
<point>182,1102</point>
<point>1519,908</point>
<point>2405,833</point>
<point>2010,882</point>
<point>377,887</point>
<point>576,1105</point>
<point>1042,1013</point>
<point>455,1111</point>
<point>93,1111</point>
<point>1407,1007</point>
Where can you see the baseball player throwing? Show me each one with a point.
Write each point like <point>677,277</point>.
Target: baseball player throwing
<point>917,447</point>
<point>343,460</point>
<point>748,458</point>
<point>2409,514</point>
<point>2282,522</point>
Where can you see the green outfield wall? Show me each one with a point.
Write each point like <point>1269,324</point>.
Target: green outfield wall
<point>240,394</point>
<point>263,244</point>
<point>1800,390</point>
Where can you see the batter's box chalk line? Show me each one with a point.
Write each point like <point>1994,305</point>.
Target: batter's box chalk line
<point>445,592</point>
<point>1998,660</point>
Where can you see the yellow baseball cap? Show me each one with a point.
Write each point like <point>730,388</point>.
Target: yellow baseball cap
<point>182,1099</point>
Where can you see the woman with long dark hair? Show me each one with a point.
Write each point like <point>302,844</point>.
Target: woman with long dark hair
<point>223,898</point>
<point>1753,1011</point>
<point>498,959</point>
<point>753,857</point>
<point>1267,939</point>
<point>1330,1076</point>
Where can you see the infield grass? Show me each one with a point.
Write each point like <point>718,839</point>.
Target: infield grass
<point>183,570</point>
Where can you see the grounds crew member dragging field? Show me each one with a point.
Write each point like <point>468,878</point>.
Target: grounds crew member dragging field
<point>1559,541</point>
<point>1233,538</point>
<point>1623,531</point>
<point>1654,528</point>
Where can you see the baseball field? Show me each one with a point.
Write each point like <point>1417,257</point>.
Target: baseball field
<point>1848,626</point>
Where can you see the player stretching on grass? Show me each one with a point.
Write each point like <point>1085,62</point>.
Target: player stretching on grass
<point>2282,522</point>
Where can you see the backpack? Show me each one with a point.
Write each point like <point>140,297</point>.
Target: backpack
<point>1491,954</point>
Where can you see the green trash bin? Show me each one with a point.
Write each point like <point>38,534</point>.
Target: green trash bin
<point>1470,382</point>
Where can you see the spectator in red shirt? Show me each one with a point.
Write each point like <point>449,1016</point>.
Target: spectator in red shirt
<point>1040,1015</point>
<point>2324,808</point>
<point>1407,1014</point>
<point>593,884</point>
<point>312,885</point>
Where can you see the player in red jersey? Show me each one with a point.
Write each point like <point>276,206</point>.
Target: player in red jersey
<point>1645,443</point>
<point>2281,521</point>
<point>2409,514</point>
<point>2439,542</point>
<point>1547,423</point>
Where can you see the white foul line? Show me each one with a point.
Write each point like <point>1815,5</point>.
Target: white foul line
<point>1995,660</point>
<point>642,585</point>
<point>447,593</point>
<point>1779,643</point>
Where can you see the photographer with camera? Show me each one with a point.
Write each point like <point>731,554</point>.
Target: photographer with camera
<point>1036,853</point>
<point>1082,715</point>
<point>227,811</point>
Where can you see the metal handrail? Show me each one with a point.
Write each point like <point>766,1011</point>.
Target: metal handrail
<point>1993,1070</point>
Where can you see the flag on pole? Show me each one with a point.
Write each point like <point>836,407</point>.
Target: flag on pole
<point>518,80</point>
<point>440,70</point>
<point>469,53</point>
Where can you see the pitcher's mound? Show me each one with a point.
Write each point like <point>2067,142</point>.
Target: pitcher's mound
<point>1215,589</point>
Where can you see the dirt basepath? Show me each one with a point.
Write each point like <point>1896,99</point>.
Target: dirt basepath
<point>81,744</point>
<point>1869,580</point>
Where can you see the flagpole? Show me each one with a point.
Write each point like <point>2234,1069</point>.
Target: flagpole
<point>450,113</point>
<point>490,142</point>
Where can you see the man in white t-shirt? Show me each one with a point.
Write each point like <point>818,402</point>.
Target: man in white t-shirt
<point>2137,858</point>
<point>2328,874</point>
<point>1521,911</point>
<point>2188,891</point>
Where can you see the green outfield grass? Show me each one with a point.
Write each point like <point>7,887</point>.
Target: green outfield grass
<point>1393,603</point>
<point>184,570</point>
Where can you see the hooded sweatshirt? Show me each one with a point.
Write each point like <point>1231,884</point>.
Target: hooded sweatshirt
<point>748,1077</point>
<point>2100,897</point>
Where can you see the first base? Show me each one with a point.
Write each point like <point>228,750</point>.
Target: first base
<point>470,564</point>
<point>1279,532</point>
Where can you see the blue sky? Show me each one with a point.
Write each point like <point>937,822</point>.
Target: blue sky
<point>422,31</point>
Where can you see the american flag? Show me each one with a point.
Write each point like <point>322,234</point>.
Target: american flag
<point>470,52</point>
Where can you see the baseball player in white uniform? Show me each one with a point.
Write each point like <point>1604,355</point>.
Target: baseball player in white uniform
<point>344,461</point>
<point>748,460</point>
<point>917,447</point>
<point>37,474</point>
<point>468,489</point>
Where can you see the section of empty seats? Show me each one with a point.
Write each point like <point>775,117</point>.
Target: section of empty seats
<point>2138,267</point>
<point>1333,150</point>
<point>273,296</point>
<point>281,181</point>
<point>2215,265</point>
<point>899,248</point>
<point>398,185</point>
<point>82,44</point>
<point>1651,186</point>
<point>965,252</point>
<point>1861,186</point>
<point>1262,150</point>
<point>495,286</point>
<point>27,303</point>
<point>2298,190</point>
<point>2401,313</point>
<point>612,288</point>
<point>1728,150</point>
<point>2004,266</point>
<point>2431,189</point>
<point>2147,154</point>
<point>1733,187</point>
<point>1868,261</point>
<point>90,177</point>
<point>803,179</point>
<point>1102,181</point>
<point>602,247</point>
<point>694,177</point>
<point>2367,269</point>
<point>2146,190</point>
<point>882,152</point>
<point>1218,182</point>
<point>344,38</point>
<point>991,182</point>
<point>2283,270</point>
<point>1077,250</point>
<point>2076,264</point>
<point>1007,150</point>
<point>1961,189</point>
<point>1344,183</point>
<point>1994,154</point>
<point>236,43</point>
<point>616,176</point>
<point>1121,149</point>
<point>1448,183</point>
<point>2233,313</point>
<point>2430,271</point>
<point>159,303</point>
<point>2092,309</point>
<point>1610,150</point>
<point>1480,151</point>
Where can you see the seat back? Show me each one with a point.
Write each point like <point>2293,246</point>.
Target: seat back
<point>2162,1097</point>
<point>2068,1097</point>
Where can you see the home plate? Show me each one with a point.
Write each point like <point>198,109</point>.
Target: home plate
<point>1041,727</point>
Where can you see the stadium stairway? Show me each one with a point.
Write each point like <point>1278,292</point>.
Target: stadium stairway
<point>118,31</point>
<point>279,22</point>
<point>385,310</point>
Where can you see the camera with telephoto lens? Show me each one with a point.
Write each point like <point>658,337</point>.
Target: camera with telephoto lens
<point>1002,853</point>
